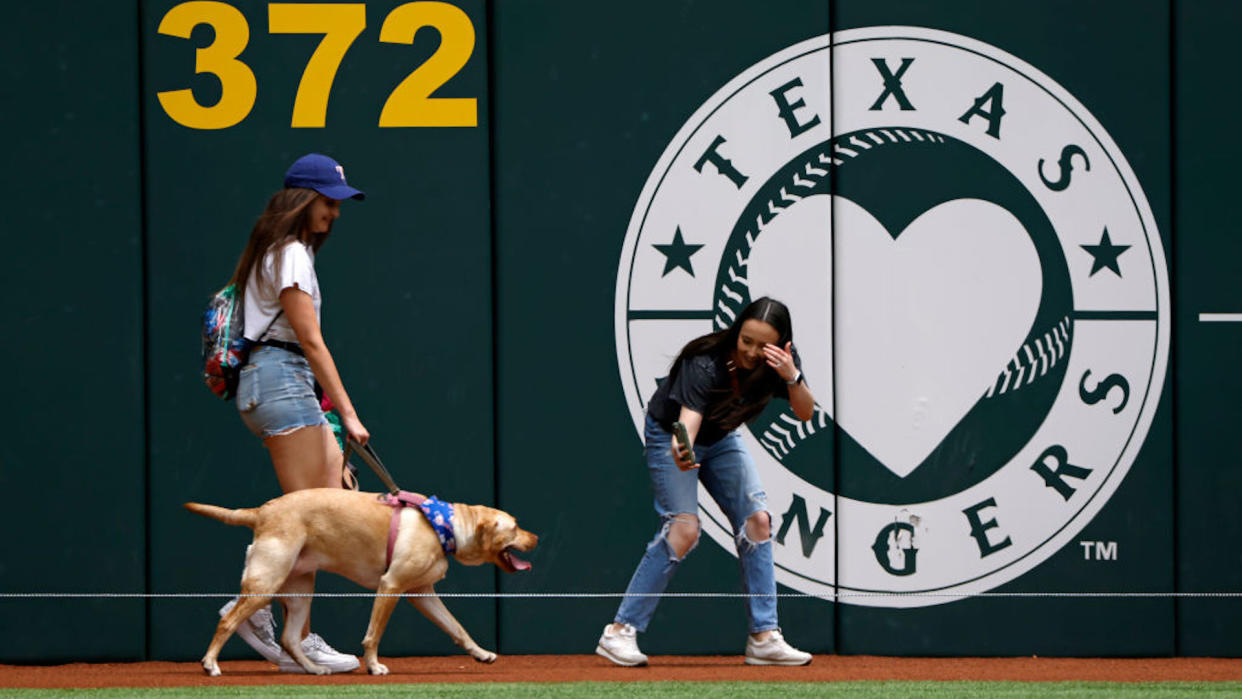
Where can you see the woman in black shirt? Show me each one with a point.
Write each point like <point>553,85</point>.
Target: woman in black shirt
<point>718,382</point>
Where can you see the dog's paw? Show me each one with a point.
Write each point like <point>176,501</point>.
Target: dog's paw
<point>377,669</point>
<point>483,656</point>
<point>211,668</point>
<point>314,669</point>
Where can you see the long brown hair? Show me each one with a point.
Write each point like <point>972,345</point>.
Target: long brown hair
<point>286,218</point>
<point>755,388</point>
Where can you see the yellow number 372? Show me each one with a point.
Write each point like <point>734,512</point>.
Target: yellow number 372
<point>409,104</point>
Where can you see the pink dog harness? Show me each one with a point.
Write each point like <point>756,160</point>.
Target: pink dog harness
<point>437,512</point>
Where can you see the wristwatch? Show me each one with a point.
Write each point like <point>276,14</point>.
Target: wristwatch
<point>795,379</point>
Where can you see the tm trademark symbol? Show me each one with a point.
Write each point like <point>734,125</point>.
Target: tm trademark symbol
<point>1099,550</point>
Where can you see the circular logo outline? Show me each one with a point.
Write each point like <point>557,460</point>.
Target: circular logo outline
<point>1083,511</point>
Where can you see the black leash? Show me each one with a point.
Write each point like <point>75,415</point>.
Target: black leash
<point>372,459</point>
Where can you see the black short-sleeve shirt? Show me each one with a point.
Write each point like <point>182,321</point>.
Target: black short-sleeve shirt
<point>701,381</point>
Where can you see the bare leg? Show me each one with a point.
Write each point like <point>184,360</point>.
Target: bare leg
<point>305,458</point>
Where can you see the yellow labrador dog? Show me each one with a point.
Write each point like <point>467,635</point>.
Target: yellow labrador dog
<point>348,533</point>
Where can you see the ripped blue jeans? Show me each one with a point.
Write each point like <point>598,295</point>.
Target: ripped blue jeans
<point>730,477</point>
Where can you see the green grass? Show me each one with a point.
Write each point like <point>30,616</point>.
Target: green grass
<point>686,690</point>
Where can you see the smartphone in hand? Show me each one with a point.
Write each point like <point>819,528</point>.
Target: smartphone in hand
<point>682,439</point>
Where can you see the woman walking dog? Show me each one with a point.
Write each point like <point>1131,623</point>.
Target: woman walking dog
<point>718,382</point>
<point>276,389</point>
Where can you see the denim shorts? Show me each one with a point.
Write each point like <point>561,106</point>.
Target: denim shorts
<point>276,393</point>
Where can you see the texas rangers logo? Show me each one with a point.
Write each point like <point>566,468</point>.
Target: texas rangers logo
<point>979,295</point>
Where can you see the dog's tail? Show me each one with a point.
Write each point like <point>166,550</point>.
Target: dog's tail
<point>239,518</point>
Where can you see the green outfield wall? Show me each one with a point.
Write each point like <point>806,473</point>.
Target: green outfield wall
<point>1004,232</point>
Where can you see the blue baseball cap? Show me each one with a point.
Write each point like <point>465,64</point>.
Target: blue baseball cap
<point>322,174</point>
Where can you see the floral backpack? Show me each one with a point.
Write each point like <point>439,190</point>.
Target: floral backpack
<point>225,347</point>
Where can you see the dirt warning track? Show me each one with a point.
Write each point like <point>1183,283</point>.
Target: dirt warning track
<point>590,668</point>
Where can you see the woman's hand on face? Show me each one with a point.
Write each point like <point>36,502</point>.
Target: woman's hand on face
<point>781,360</point>
<point>353,427</point>
<point>683,457</point>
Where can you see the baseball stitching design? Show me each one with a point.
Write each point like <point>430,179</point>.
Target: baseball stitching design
<point>1034,359</point>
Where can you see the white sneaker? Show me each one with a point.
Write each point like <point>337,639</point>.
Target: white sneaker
<point>773,650</point>
<point>319,652</point>
<point>621,647</point>
<point>259,632</point>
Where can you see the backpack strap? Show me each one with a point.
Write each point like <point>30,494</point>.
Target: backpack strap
<point>241,298</point>
<point>259,340</point>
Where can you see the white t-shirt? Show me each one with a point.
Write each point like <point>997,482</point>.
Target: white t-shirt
<point>297,270</point>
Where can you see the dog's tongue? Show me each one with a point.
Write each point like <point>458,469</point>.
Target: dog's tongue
<point>517,563</point>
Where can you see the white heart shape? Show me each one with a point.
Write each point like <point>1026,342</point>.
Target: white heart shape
<point>925,322</point>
